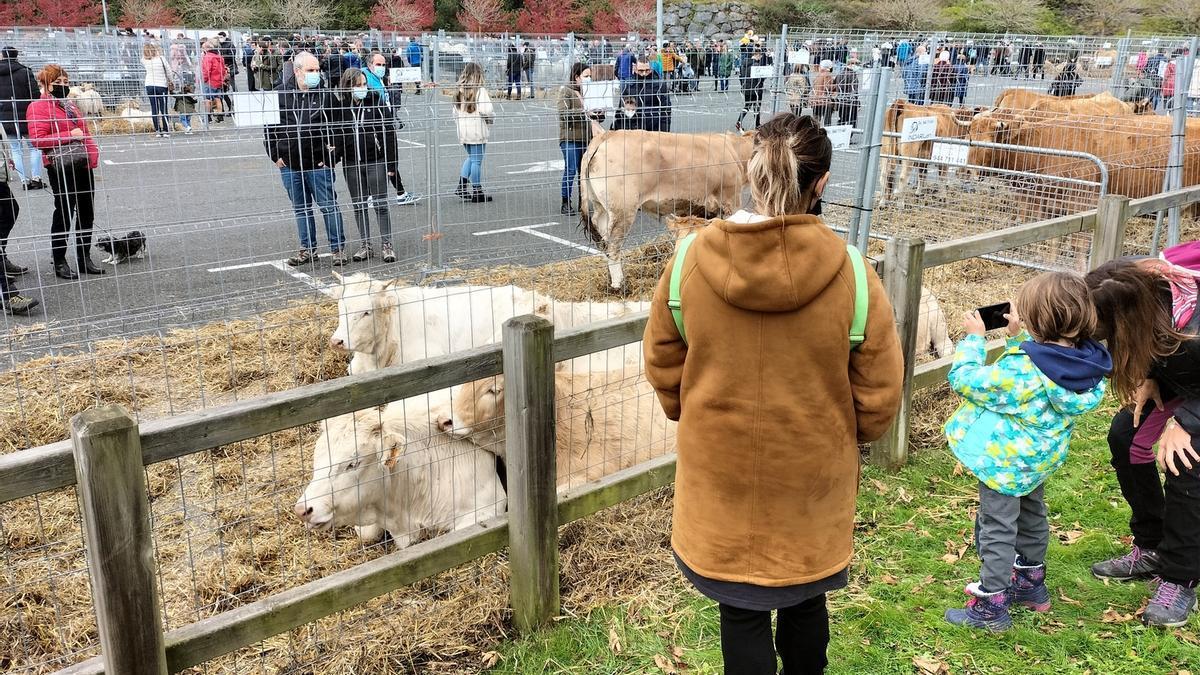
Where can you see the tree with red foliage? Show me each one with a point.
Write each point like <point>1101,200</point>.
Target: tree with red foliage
<point>148,13</point>
<point>483,16</point>
<point>401,15</point>
<point>550,17</point>
<point>66,13</point>
<point>624,16</point>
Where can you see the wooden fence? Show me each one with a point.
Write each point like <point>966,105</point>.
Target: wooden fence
<point>108,449</point>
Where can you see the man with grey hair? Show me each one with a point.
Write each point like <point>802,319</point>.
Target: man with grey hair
<point>304,146</point>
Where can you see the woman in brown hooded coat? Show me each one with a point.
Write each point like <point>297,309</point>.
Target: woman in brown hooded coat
<point>772,403</point>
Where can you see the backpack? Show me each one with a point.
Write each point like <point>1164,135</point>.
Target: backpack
<point>858,324</point>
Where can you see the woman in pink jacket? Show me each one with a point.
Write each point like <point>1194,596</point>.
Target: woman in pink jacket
<point>213,74</point>
<point>70,156</point>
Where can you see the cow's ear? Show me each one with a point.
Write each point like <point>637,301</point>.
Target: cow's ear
<point>391,447</point>
<point>339,277</point>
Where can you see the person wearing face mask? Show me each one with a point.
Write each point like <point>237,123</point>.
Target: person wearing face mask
<point>576,124</point>
<point>627,117</point>
<point>367,146</point>
<point>304,145</point>
<point>377,74</point>
<point>765,521</point>
<point>69,156</point>
<point>651,96</point>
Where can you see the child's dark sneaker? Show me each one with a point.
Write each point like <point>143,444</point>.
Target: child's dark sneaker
<point>1028,587</point>
<point>984,610</point>
<point>1171,605</point>
<point>1140,563</point>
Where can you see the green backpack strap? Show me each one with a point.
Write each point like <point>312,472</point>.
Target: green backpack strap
<point>674,302</point>
<point>858,326</point>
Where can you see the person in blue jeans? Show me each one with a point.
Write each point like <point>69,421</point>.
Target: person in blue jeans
<point>575,126</point>
<point>304,147</point>
<point>473,117</point>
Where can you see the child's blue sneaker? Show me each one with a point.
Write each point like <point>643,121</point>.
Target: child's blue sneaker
<point>984,610</point>
<point>1028,587</point>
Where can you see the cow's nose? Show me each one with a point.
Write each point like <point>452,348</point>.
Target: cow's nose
<point>302,511</point>
<point>337,343</point>
<point>445,423</point>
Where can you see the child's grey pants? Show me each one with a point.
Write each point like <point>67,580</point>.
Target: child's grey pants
<point>1006,526</point>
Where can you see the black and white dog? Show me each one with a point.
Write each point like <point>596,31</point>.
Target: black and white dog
<point>120,249</point>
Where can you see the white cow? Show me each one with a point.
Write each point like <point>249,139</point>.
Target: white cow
<point>374,470</point>
<point>604,422</point>
<point>386,323</point>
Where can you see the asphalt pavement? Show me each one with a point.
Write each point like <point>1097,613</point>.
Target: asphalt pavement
<point>219,225</point>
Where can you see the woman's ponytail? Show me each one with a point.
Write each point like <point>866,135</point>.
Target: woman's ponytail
<point>791,154</point>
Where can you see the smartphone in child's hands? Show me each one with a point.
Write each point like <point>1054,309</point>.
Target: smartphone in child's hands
<point>993,315</point>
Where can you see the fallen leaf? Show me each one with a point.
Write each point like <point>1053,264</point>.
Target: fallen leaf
<point>1183,672</point>
<point>677,652</point>
<point>958,469</point>
<point>614,641</point>
<point>1069,537</point>
<point>1190,638</point>
<point>930,666</point>
<point>903,495</point>
<point>663,634</point>
<point>1111,615</point>
<point>664,664</point>
<point>889,580</point>
<point>880,485</point>
<point>1062,595</point>
<point>951,558</point>
<point>490,659</point>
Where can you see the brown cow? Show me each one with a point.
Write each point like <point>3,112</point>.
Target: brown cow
<point>664,174</point>
<point>1100,105</point>
<point>952,123</point>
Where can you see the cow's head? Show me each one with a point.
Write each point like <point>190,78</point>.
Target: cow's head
<point>477,413</point>
<point>349,469</point>
<point>996,126</point>
<point>365,312</point>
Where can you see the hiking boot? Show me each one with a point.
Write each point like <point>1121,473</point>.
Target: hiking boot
<point>464,188</point>
<point>1170,606</point>
<point>63,271</point>
<point>389,256</point>
<point>1028,587</point>
<point>19,305</point>
<point>984,610</point>
<point>304,257</point>
<point>338,258</point>
<point>86,266</point>
<point>407,199</point>
<point>12,269</point>
<point>1139,563</point>
<point>567,209</point>
<point>363,253</point>
<point>477,196</point>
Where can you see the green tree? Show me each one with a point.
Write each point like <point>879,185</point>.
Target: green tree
<point>996,16</point>
<point>809,13</point>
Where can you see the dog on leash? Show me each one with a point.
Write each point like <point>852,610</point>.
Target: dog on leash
<point>120,249</point>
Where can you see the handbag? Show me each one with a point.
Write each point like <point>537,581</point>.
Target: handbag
<point>67,155</point>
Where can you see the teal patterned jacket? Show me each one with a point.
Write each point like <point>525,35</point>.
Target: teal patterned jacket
<point>1014,425</point>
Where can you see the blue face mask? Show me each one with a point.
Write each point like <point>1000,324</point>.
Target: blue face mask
<point>359,93</point>
<point>312,80</point>
<point>379,71</point>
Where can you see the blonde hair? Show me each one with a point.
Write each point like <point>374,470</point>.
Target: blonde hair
<point>790,155</point>
<point>150,50</point>
<point>469,84</point>
<point>1057,306</point>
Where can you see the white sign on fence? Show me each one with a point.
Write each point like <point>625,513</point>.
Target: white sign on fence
<point>839,136</point>
<point>800,57</point>
<point>256,109</point>
<point>1194,89</point>
<point>951,153</point>
<point>600,95</point>
<point>762,72</point>
<point>918,129</point>
<point>403,75</point>
<point>1104,60</point>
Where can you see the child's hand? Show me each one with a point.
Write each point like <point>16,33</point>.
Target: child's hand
<point>1014,320</point>
<point>973,324</point>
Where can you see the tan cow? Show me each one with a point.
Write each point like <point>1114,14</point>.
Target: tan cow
<point>624,172</point>
<point>952,123</point>
<point>1100,105</point>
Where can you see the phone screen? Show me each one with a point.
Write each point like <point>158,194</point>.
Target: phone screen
<point>993,315</point>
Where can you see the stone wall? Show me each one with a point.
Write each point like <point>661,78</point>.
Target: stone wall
<point>714,20</point>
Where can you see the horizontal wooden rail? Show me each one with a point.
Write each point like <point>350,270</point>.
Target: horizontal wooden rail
<point>251,623</point>
<point>1164,201</point>
<point>933,373</point>
<point>988,243</point>
<point>49,467</point>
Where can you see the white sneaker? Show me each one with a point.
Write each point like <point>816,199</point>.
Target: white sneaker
<point>407,199</point>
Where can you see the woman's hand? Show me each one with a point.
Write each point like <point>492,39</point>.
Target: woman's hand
<point>77,133</point>
<point>1176,446</point>
<point>973,324</point>
<point>1014,320</point>
<point>1147,391</point>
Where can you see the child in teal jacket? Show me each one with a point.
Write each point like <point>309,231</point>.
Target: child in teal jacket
<point>1013,430</point>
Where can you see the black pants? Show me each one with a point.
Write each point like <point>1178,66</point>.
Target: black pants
<point>73,189</point>
<point>801,636</point>
<point>1177,537</point>
<point>9,210</point>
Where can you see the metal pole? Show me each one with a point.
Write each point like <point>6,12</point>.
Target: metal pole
<point>431,143</point>
<point>869,177</point>
<point>570,57</point>
<point>658,26</point>
<point>780,65</point>
<point>1183,81</point>
<point>1117,85</point>
<point>104,8</point>
<point>930,48</point>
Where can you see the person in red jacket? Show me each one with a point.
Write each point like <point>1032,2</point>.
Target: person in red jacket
<point>212,78</point>
<point>70,156</point>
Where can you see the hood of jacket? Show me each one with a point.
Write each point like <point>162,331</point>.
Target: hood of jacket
<point>8,67</point>
<point>1074,372</point>
<point>769,264</point>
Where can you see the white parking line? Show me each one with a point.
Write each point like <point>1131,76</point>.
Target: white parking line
<point>282,266</point>
<point>550,166</point>
<point>229,268</point>
<point>522,228</point>
<point>109,162</point>
<point>564,242</point>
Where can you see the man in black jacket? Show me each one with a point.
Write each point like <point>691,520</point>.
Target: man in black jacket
<point>304,145</point>
<point>10,300</point>
<point>652,97</point>
<point>17,88</point>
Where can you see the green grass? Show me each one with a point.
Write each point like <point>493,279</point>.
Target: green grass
<point>891,615</point>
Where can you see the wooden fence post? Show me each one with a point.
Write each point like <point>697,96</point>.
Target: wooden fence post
<point>902,273</point>
<point>532,475</point>
<point>1108,240</point>
<point>120,553</point>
